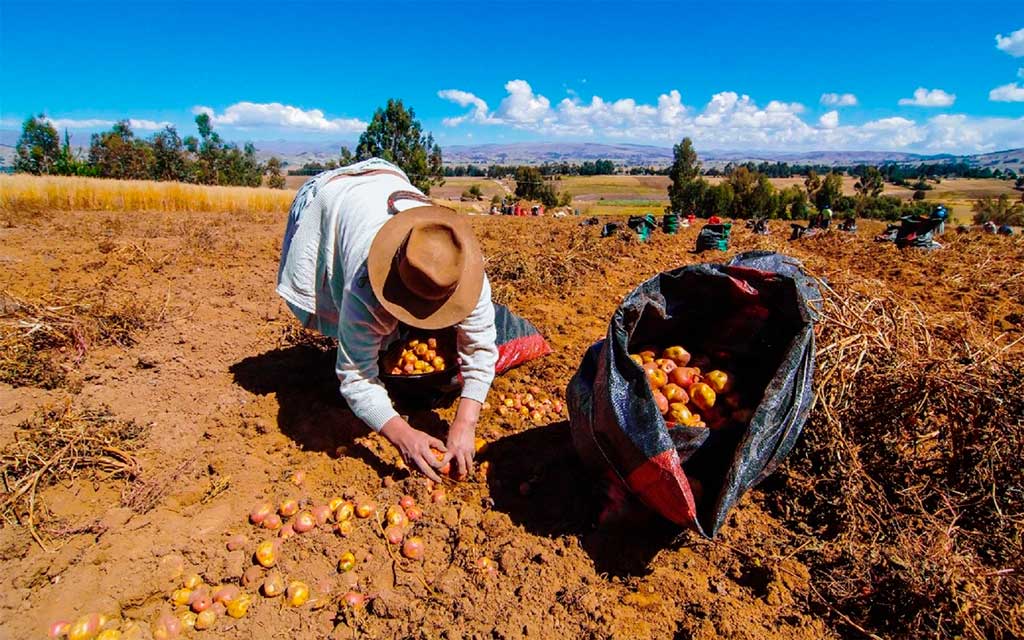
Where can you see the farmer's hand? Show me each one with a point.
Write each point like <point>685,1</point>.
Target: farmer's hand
<point>414,445</point>
<point>461,437</point>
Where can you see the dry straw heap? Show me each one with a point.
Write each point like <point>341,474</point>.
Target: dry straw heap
<point>908,485</point>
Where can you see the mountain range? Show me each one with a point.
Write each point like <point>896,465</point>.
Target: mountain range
<point>639,155</point>
<point>296,153</point>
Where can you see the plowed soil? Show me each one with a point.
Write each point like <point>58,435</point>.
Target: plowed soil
<point>234,398</point>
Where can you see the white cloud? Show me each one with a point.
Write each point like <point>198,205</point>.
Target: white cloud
<point>1012,44</point>
<point>89,123</point>
<point>274,114</point>
<point>730,120</point>
<point>147,124</point>
<point>73,123</point>
<point>522,105</point>
<point>464,99</point>
<point>1011,92</point>
<point>839,99</point>
<point>98,123</point>
<point>888,124</point>
<point>925,98</point>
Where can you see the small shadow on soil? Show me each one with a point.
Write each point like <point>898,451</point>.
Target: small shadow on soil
<point>540,482</point>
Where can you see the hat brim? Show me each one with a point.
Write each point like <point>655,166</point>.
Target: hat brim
<point>392,293</point>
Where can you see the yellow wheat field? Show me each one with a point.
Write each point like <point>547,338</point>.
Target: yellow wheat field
<point>22,192</point>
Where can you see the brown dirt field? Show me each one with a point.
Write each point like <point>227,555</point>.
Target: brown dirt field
<point>233,399</point>
<point>294,182</point>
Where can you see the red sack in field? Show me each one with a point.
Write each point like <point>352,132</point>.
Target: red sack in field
<point>518,340</point>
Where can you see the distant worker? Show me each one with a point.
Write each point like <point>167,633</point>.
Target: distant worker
<point>940,215</point>
<point>365,250</point>
<point>825,219</point>
<point>714,220</point>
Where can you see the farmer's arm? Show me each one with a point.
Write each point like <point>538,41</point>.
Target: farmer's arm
<point>478,355</point>
<point>360,332</point>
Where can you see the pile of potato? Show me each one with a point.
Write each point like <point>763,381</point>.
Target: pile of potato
<point>686,395</point>
<point>416,357</point>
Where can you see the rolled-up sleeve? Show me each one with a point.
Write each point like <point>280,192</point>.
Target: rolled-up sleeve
<point>478,353</point>
<point>360,333</point>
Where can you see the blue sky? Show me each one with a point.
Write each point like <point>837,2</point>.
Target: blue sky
<point>914,75</point>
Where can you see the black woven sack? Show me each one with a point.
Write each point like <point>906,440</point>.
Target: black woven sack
<point>755,312</point>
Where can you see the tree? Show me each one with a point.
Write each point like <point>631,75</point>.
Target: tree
<point>38,148</point>
<point>999,210</point>
<point>800,208</point>
<point>220,163</point>
<point>742,181</point>
<point>207,150</point>
<point>170,161</point>
<point>870,183</point>
<point>119,154</point>
<point>396,135</point>
<point>68,163</point>
<point>346,157</point>
<point>239,166</point>
<point>830,192</point>
<point>812,183</point>
<point>686,191</point>
<point>717,200</point>
<point>919,195</point>
<point>530,185</point>
<point>274,178</point>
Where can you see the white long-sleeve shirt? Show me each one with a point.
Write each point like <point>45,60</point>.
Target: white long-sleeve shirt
<point>322,272</point>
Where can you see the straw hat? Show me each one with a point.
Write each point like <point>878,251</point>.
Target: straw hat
<point>426,268</point>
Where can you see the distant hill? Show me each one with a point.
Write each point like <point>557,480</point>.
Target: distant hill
<point>541,152</point>
<point>296,153</point>
<point>643,155</point>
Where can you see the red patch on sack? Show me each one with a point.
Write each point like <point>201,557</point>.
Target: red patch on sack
<point>662,485</point>
<point>519,350</point>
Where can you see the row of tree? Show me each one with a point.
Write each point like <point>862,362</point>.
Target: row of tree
<point>393,134</point>
<point>746,193</point>
<point>166,156</point>
<point>915,177</point>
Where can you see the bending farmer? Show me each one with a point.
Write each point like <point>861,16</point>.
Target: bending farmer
<point>364,250</point>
